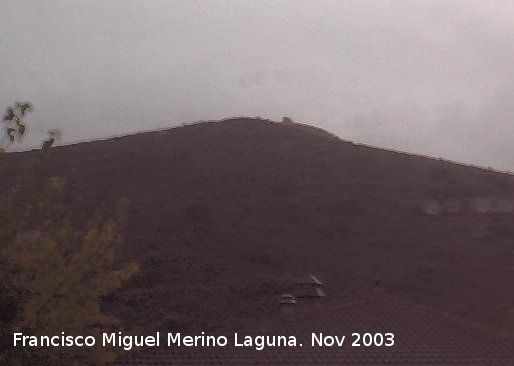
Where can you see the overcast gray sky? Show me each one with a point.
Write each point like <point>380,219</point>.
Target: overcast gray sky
<point>429,77</point>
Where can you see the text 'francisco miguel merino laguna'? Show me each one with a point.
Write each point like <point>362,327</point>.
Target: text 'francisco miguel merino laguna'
<point>127,342</point>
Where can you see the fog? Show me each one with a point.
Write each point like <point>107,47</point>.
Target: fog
<point>428,77</point>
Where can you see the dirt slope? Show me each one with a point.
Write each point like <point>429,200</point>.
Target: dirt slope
<point>225,215</point>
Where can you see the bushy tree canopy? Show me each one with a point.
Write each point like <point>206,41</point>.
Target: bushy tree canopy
<point>54,273</point>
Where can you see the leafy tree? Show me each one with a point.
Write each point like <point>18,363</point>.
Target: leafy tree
<point>16,128</point>
<point>55,273</point>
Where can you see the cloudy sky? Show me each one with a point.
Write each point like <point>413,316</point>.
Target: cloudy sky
<point>429,77</point>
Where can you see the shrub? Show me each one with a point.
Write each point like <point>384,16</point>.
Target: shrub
<point>55,274</point>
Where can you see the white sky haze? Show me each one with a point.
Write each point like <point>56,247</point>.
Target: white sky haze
<point>428,77</point>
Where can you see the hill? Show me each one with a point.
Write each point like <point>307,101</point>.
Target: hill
<point>224,216</point>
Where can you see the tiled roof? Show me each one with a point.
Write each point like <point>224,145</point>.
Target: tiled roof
<point>422,337</point>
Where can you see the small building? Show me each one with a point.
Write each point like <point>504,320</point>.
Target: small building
<point>287,299</point>
<point>287,303</point>
<point>310,287</point>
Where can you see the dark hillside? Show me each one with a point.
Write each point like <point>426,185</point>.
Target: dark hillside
<point>225,215</point>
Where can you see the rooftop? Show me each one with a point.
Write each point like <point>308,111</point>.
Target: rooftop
<point>422,336</point>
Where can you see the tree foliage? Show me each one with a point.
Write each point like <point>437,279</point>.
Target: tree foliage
<point>15,127</point>
<point>54,273</point>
